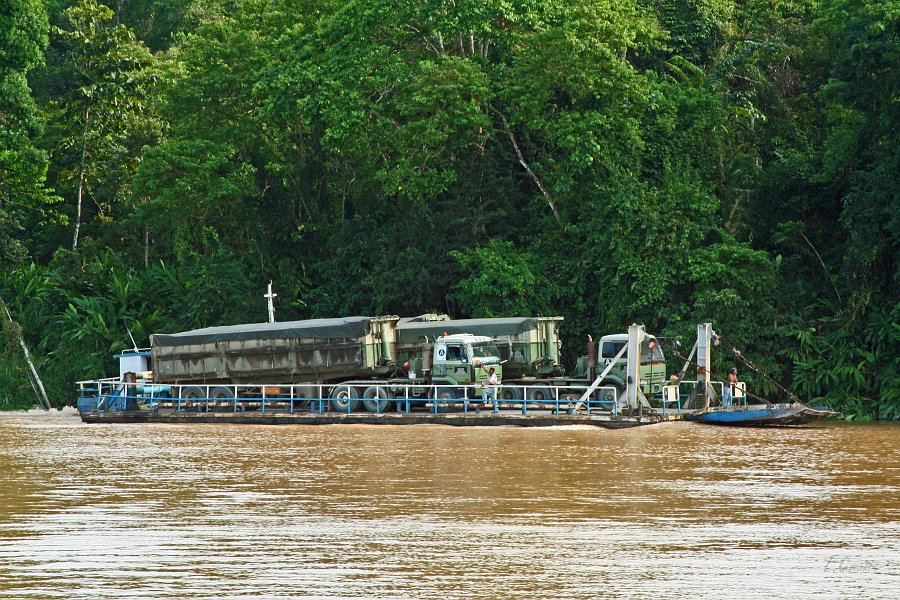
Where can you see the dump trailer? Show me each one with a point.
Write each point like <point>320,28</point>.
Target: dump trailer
<point>530,349</point>
<point>528,346</point>
<point>316,350</point>
<point>340,358</point>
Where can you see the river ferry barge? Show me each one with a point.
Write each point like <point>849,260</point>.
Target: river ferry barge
<point>360,370</point>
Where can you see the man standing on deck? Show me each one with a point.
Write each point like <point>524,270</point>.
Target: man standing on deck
<point>489,390</point>
<point>673,380</point>
<point>728,391</point>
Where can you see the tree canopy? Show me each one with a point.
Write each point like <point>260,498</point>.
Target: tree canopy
<point>666,162</point>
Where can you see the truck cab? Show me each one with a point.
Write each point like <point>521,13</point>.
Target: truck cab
<point>464,358</point>
<point>653,362</point>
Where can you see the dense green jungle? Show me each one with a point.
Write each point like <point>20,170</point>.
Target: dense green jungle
<point>665,162</point>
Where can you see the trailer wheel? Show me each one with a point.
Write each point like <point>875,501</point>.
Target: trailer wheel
<point>570,395</point>
<point>539,393</point>
<point>511,393</point>
<point>192,392</point>
<point>344,398</point>
<point>377,399</point>
<point>305,394</point>
<point>221,392</point>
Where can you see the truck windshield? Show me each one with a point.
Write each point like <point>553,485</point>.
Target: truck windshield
<point>485,352</point>
<point>654,354</point>
<point>648,354</point>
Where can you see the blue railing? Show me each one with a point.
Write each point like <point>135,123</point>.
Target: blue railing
<point>402,398</point>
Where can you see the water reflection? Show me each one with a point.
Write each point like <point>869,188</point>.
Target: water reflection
<point>675,511</point>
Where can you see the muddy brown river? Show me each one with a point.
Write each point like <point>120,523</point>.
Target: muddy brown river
<point>676,510</point>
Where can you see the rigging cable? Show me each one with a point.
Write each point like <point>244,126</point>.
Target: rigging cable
<point>714,374</point>
<point>750,364</point>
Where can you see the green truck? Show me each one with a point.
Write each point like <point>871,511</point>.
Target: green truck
<point>530,349</point>
<point>349,360</point>
<point>371,360</point>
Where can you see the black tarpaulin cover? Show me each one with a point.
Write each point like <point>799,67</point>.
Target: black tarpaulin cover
<point>344,327</point>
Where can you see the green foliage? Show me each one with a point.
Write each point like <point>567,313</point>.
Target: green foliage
<point>705,160</point>
<point>500,282</point>
<point>849,361</point>
<point>23,166</point>
<point>99,120</point>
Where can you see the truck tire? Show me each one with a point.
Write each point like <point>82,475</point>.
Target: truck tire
<point>608,394</point>
<point>570,395</point>
<point>221,392</point>
<point>377,399</point>
<point>192,392</point>
<point>510,393</point>
<point>344,398</point>
<point>305,394</point>
<point>449,393</point>
<point>539,393</point>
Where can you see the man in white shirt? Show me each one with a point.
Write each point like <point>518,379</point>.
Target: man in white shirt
<point>489,389</point>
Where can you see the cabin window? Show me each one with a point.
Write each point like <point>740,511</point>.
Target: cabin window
<point>610,349</point>
<point>456,354</point>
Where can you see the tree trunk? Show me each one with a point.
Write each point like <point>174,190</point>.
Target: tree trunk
<point>37,378</point>
<point>527,168</point>
<point>81,174</point>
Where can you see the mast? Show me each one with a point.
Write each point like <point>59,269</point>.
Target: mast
<point>270,297</point>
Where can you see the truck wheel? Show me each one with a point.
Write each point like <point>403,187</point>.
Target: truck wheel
<point>220,392</point>
<point>607,394</point>
<point>304,394</point>
<point>344,398</point>
<point>376,399</point>
<point>570,395</point>
<point>447,393</point>
<point>539,393</point>
<point>192,392</point>
<point>511,393</point>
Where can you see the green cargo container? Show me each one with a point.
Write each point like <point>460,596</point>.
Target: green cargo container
<point>315,351</point>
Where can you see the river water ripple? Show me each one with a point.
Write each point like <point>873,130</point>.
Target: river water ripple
<point>676,510</point>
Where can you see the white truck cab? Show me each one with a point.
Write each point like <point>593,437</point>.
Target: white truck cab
<point>462,356</point>
<point>466,348</point>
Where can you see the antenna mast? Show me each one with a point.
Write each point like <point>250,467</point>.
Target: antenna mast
<point>271,299</point>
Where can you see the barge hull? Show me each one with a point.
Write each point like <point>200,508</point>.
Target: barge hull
<point>762,415</point>
<point>452,419</point>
